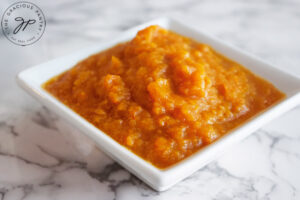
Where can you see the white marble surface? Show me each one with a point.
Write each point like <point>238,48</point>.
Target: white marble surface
<point>42,157</point>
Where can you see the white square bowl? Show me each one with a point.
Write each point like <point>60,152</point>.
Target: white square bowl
<point>161,179</point>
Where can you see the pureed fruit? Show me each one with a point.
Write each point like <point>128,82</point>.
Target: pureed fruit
<point>162,95</point>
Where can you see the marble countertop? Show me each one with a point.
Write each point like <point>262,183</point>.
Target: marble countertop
<point>42,157</point>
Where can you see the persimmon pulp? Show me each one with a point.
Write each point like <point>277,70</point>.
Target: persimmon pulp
<point>162,95</point>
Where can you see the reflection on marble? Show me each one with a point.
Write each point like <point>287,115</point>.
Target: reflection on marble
<point>43,157</point>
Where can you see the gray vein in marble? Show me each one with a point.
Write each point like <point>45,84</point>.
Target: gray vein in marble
<point>4,124</point>
<point>275,140</point>
<point>43,118</point>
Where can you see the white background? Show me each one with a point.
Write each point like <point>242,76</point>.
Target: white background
<point>41,157</point>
